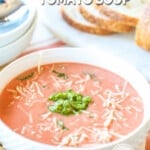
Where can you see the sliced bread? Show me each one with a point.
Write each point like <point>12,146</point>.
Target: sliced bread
<point>142,35</point>
<point>72,16</point>
<point>93,15</point>
<point>127,14</point>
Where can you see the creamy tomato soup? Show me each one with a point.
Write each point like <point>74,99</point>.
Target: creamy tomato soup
<point>114,108</point>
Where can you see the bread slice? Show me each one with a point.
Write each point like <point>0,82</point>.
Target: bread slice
<point>72,16</point>
<point>128,14</point>
<point>142,34</point>
<point>93,15</point>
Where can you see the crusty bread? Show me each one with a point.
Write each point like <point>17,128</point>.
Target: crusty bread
<point>73,17</point>
<point>93,15</point>
<point>142,35</point>
<point>127,14</point>
<point>105,20</point>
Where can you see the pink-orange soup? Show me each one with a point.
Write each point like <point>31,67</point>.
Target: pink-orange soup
<point>116,108</point>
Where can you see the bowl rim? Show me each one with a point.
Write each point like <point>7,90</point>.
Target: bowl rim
<point>25,33</point>
<point>15,42</point>
<point>27,23</point>
<point>70,50</point>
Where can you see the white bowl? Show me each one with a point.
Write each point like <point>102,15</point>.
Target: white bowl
<point>18,27</point>
<point>14,49</point>
<point>14,141</point>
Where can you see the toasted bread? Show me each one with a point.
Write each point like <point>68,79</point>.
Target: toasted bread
<point>72,16</point>
<point>93,15</point>
<point>142,35</point>
<point>127,14</point>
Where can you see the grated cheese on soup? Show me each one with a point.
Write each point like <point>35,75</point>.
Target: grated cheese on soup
<point>111,105</point>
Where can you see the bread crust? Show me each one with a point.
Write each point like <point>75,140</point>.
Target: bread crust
<point>119,17</point>
<point>106,22</point>
<point>142,34</point>
<point>94,29</point>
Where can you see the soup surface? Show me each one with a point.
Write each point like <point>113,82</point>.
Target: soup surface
<point>115,108</point>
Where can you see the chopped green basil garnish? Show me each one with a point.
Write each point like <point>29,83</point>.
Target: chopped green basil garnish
<point>69,102</point>
<point>60,74</point>
<point>28,76</point>
<point>60,123</point>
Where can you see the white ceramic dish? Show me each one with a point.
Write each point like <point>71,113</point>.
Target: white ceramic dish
<point>14,49</point>
<point>121,45</point>
<point>18,28</point>
<point>13,141</point>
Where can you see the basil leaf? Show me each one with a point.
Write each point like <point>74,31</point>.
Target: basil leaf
<point>68,102</point>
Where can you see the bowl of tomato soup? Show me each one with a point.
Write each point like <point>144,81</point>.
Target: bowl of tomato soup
<point>72,98</point>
